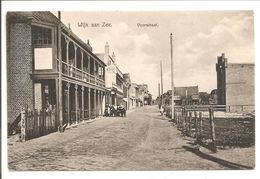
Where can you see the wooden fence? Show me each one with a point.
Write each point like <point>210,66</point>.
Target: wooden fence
<point>37,123</point>
<point>212,131</point>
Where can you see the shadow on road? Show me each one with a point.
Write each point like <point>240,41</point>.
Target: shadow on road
<point>222,162</point>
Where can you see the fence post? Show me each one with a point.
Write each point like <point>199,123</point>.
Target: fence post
<point>179,122</point>
<point>47,121</point>
<point>182,118</point>
<point>201,123</point>
<point>41,122</point>
<point>186,122</point>
<point>212,127</point>
<point>190,119</point>
<point>23,126</point>
<point>52,121</point>
<point>29,123</point>
<point>34,124</point>
<point>196,125</point>
<point>44,121</point>
<point>177,119</point>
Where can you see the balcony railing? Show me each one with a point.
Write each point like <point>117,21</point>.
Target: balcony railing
<point>73,72</point>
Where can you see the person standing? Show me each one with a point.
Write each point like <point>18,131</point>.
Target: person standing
<point>161,110</point>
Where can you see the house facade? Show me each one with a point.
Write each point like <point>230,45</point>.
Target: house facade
<point>50,67</point>
<point>133,96</point>
<point>114,78</point>
<point>235,85</point>
<point>126,88</point>
<point>142,93</point>
<point>186,95</point>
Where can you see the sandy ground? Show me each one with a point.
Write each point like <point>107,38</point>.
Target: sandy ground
<point>143,140</point>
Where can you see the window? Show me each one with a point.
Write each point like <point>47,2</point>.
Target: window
<point>100,71</point>
<point>41,36</point>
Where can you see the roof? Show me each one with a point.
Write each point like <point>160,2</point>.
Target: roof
<point>119,72</point>
<point>43,16</point>
<point>111,58</point>
<point>100,56</point>
<point>240,64</point>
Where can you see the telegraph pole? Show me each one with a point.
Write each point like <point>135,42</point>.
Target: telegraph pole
<point>159,96</point>
<point>159,93</point>
<point>172,82</point>
<point>161,83</point>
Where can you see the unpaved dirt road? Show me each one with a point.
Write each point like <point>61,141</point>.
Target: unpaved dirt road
<point>143,140</point>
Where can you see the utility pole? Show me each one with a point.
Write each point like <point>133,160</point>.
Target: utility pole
<point>159,93</point>
<point>161,84</point>
<point>172,82</point>
<point>159,96</point>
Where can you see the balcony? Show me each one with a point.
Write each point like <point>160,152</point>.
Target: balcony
<point>118,87</point>
<point>78,74</point>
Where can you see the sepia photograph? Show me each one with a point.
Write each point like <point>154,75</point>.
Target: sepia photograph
<point>162,90</point>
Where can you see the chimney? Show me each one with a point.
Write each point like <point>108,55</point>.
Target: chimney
<point>106,55</point>
<point>89,46</point>
<point>223,55</point>
<point>59,15</point>
<point>107,49</point>
<point>224,60</point>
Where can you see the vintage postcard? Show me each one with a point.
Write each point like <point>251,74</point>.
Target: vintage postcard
<point>94,90</point>
<point>144,90</point>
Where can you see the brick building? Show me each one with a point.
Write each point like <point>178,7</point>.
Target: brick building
<point>50,67</point>
<point>235,85</point>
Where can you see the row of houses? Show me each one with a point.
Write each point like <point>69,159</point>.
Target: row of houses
<point>50,67</point>
<point>235,89</point>
<point>136,94</point>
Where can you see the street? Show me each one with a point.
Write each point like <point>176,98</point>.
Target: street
<point>143,140</point>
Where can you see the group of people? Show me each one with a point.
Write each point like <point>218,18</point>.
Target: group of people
<point>114,111</point>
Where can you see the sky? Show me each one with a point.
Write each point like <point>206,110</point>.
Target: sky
<point>198,38</point>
